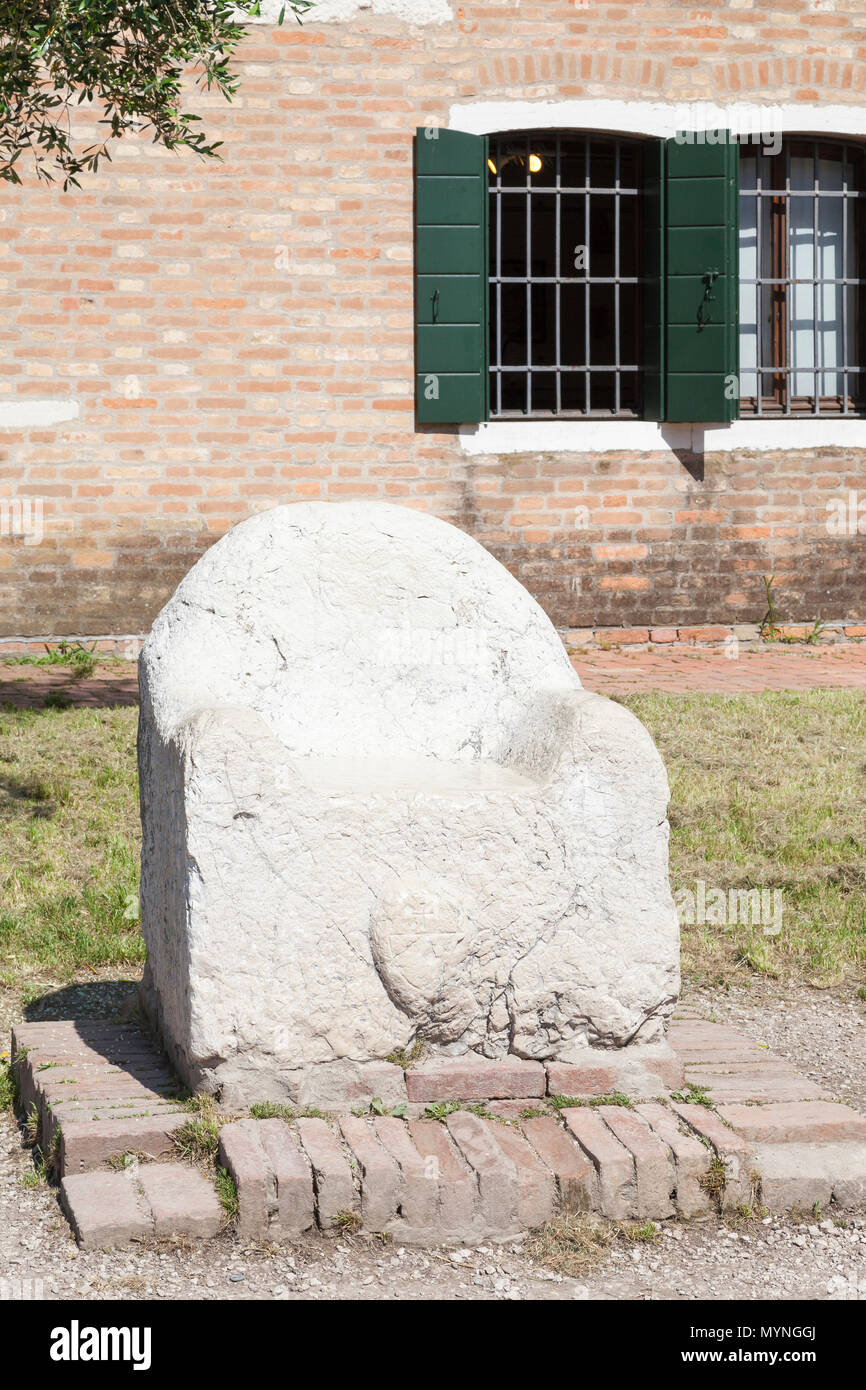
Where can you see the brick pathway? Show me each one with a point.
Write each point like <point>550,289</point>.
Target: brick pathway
<point>674,671</point>
<point>27,687</point>
<point>679,671</point>
<point>465,1174</point>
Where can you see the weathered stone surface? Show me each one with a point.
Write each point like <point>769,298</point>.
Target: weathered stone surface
<point>99,1058</point>
<point>332,1176</point>
<point>575,1175</point>
<point>346,1085</point>
<point>242,1156</point>
<point>95,1110</point>
<point>811,1122</point>
<point>182,1201</point>
<point>614,1164</point>
<point>475,1078</point>
<point>696,1040</point>
<point>495,1172</point>
<point>654,1169</point>
<point>365,755</point>
<point>638,1072</point>
<point>105,1209</point>
<point>419,1193</point>
<point>536,1185</point>
<point>763,1080</point>
<point>691,1159</point>
<point>380,1175</point>
<point>86,1144</point>
<point>801,1175</point>
<point>735,1152</point>
<point>456,1184</point>
<point>291,1202</point>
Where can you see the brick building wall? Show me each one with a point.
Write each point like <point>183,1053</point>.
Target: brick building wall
<point>223,338</point>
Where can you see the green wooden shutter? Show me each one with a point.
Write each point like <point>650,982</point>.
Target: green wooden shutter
<point>451,296</point>
<point>652,280</point>
<point>700,280</point>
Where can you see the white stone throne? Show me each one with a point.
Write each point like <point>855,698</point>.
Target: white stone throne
<point>378,806</point>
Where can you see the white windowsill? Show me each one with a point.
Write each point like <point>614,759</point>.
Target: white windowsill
<point>644,436</point>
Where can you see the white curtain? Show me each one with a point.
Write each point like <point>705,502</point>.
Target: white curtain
<point>816,243</point>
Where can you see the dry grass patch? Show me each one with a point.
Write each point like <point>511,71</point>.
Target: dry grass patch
<point>575,1243</point>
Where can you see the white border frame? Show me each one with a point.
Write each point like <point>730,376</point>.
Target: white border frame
<point>660,119</point>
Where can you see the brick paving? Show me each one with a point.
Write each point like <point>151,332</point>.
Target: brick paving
<point>674,670</point>
<point>681,671</point>
<point>28,687</point>
<point>476,1175</point>
<point>157,1199</point>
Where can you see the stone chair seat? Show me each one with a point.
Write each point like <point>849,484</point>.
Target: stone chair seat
<point>365,777</point>
<point>378,806</point>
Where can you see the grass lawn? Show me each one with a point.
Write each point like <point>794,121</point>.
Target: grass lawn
<point>69,842</point>
<point>767,791</point>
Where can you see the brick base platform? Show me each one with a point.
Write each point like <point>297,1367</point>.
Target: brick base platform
<point>462,1167</point>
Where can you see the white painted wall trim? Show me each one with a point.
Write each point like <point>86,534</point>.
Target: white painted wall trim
<point>23,414</point>
<point>644,436</point>
<point>341,11</point>
<point>658,118</point>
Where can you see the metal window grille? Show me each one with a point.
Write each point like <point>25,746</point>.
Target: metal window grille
<point>564,275</point>
<point>790,322</point>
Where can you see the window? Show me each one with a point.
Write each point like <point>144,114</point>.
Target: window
<point>801,270</point>
<point>578,274</point>
<point>564,275</point>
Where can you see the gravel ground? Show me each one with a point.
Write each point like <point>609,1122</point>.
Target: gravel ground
<point>745,1259</point>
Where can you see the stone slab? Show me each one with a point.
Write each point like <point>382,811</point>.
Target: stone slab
<point>638,1072</point>
<point>654,1168</point>
<point>294,1209</point>
<point>332,1176</point>
<point>572,1170</point>
<point>614,1164</point>
<point>88,1144</point>
<point>105,1209</point>
<point>419,1194</point>
<point>459,1211</point>
<point>346,1085</point>
<point>760,1083</point>
<point>794,1122</point>
<point>241,1154</point>
<point>475,1078</point>
<point>536,1184</point>
<point>691,1159</point>
<point>95,1111</point>
<point>182,1201</point>
<point>735,1152</point>
<point>495,1173</point>
<point>380,1175</point>
<point>798,1175</point>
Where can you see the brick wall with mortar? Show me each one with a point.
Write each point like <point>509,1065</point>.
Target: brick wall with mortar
<point>233,336</point>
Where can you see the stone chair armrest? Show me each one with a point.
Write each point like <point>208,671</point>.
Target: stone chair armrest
<point>238,740</point>
<point>578,744</point>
